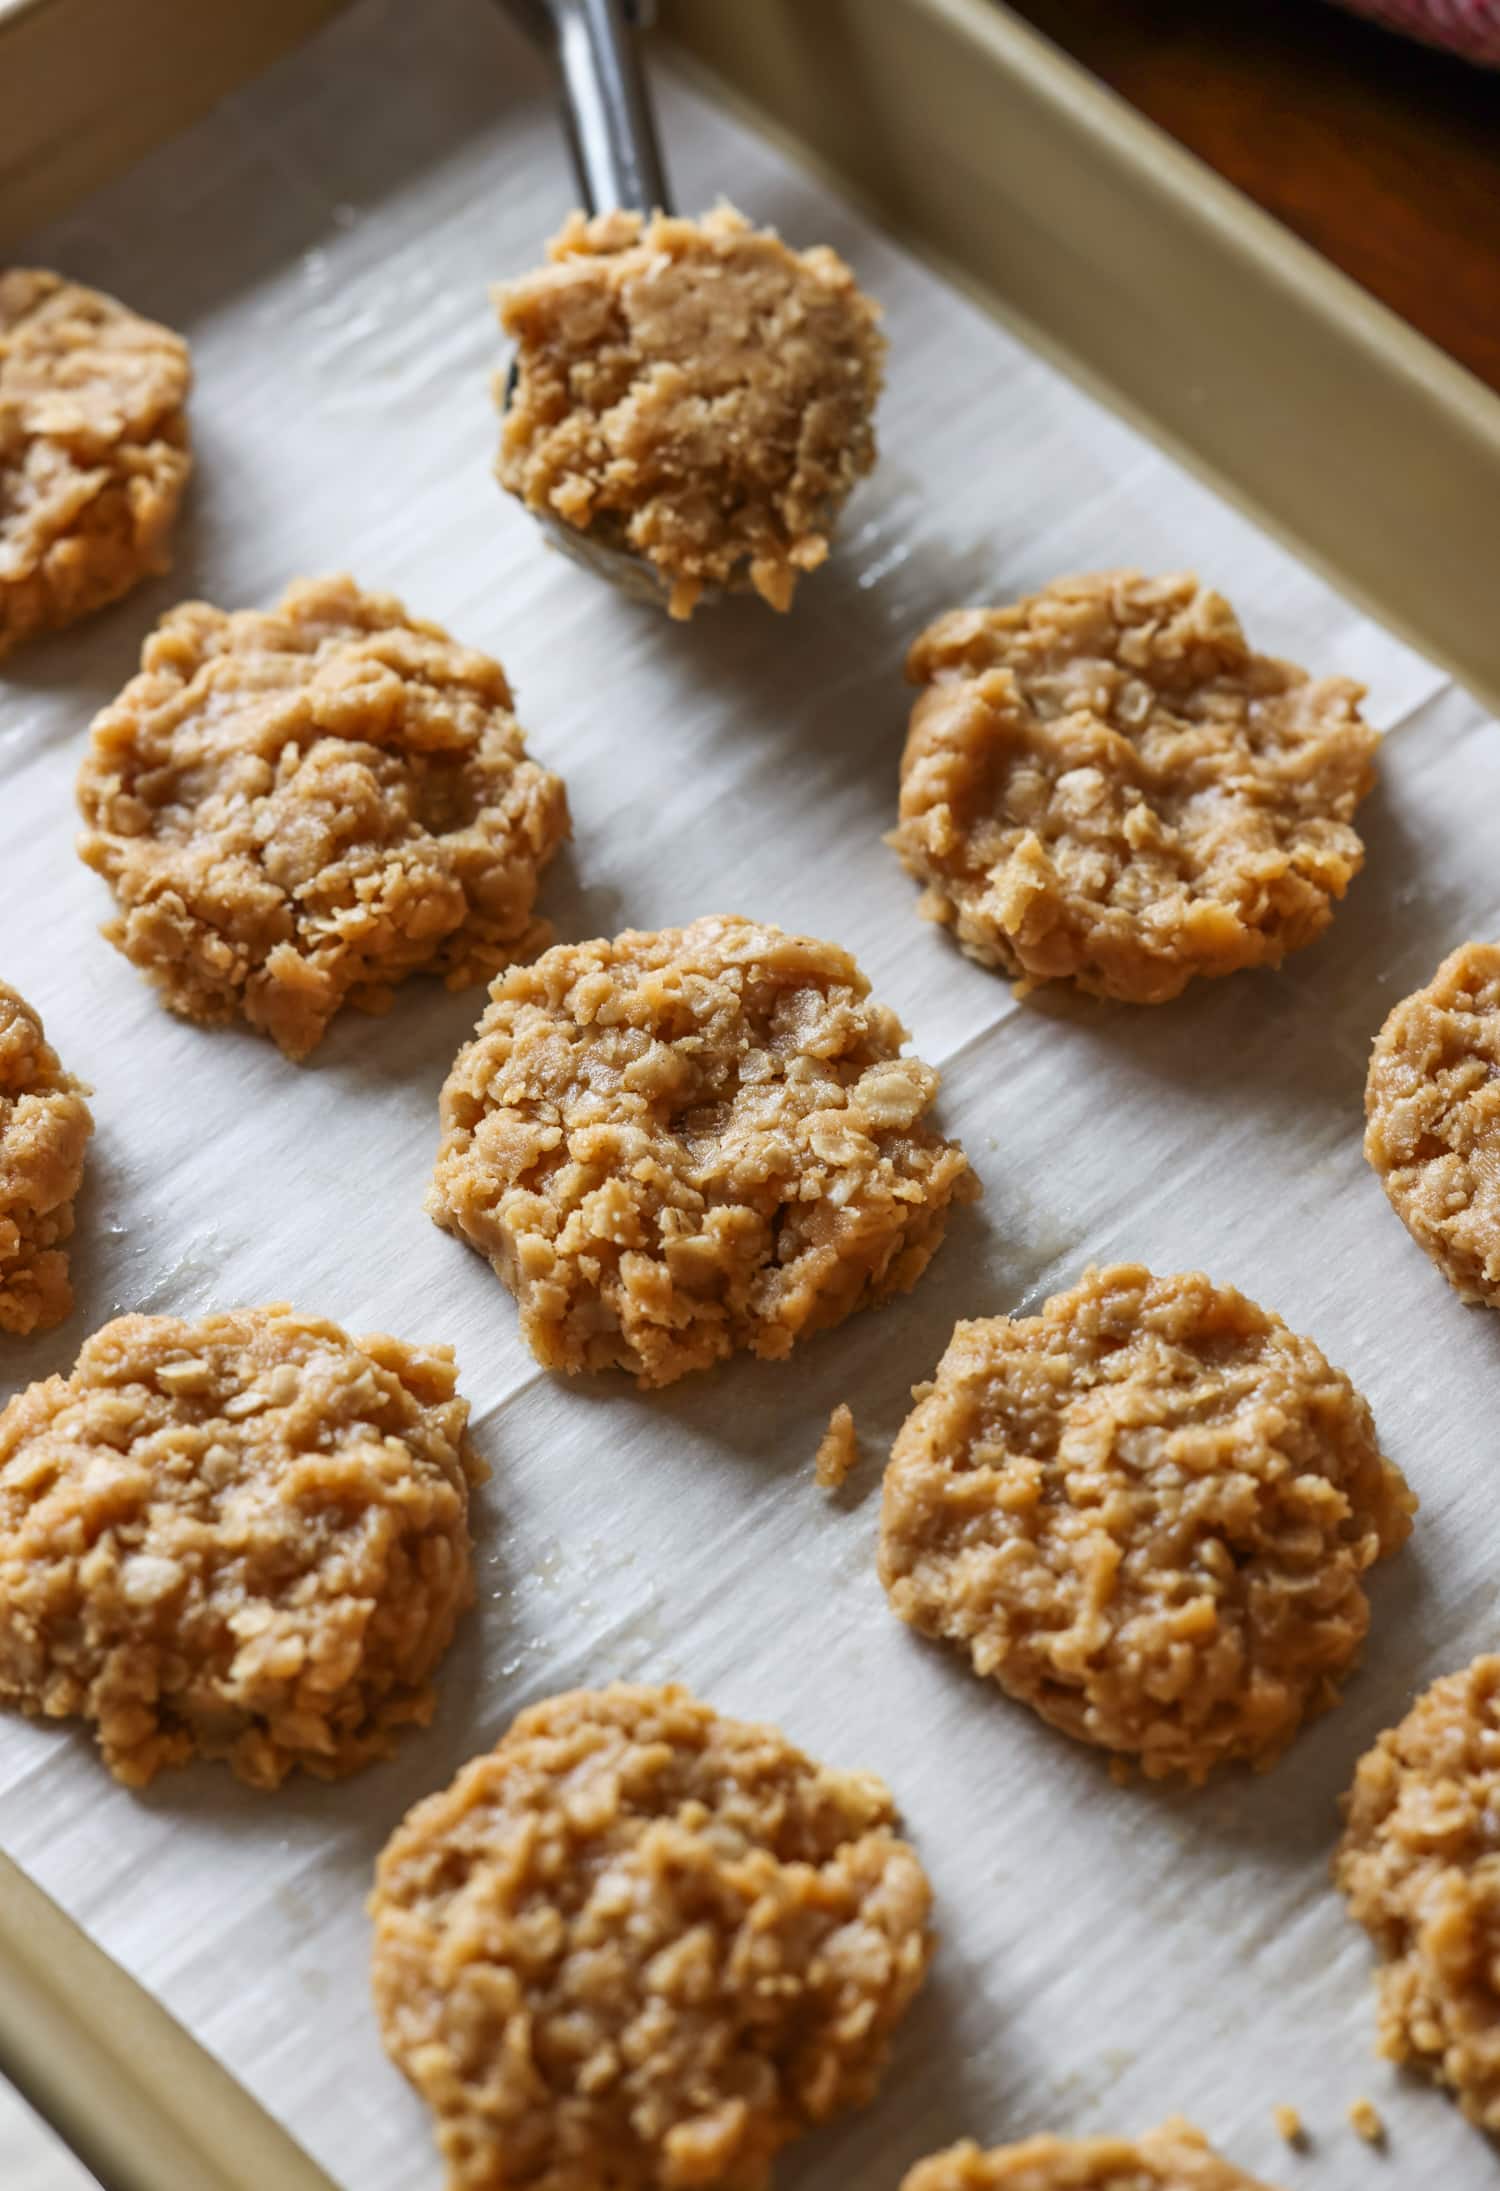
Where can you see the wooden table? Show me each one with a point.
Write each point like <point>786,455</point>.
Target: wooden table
<point>1384,155</point>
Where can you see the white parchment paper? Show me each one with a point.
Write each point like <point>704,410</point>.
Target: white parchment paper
<point>326,240</point>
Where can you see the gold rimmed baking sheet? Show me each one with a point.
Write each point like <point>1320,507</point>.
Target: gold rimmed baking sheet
<point>327,239</point>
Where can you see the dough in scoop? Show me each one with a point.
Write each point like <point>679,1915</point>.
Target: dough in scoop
<point>694,393</point>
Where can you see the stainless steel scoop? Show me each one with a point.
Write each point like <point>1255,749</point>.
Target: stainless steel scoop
<point>617,157</point>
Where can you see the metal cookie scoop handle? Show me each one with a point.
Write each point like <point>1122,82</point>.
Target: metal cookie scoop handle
<point>612,137</point>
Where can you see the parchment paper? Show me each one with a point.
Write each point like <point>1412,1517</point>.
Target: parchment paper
<point>1108,1955</point>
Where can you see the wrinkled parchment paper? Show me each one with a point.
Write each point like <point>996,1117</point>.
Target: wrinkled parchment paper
<point>1108,1955</point>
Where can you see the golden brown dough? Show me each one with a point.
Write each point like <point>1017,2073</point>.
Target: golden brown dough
<point>1146,1512</point>
<point>692,392</point>
<point>301,808</point>
<point>1103,784</point>
<point>245,1537</point>
<point>45,1126</point>
<point>673,1145</point>
<point>1420,1863</point>
<point>1433,1105</point>
<point>1174,2158</point>
<point>93,450</point>
<point>640,1945</point>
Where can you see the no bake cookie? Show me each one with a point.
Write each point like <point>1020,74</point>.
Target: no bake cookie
<point>244,1537</point>
<point>94,450</point>
<point>1174,2158</point>
<point>672,1145</point>
<point>45,1126</point>
<point>1103,784</point>
<point>643,1945</point>
<point>1432,1102</point>
<point>301,808</point>
<point>1146,1512</point>
<point>1420,1864</point>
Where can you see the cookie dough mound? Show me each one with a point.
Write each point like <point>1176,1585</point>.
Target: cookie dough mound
<point>640,1945</point>
<point>1433,1105</point>
<point>1420,1863</point>
<point>93,450</point>
<point>673,1145</point>
<point>302,808</point>
<point>245,1537</point>
<point>692,392</point>
<point>1147,1513</point>
<point>44,1131</point>
<point>1102,784</point>
<point>1175,2158</point>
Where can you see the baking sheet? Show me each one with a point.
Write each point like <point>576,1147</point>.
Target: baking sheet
<point>1108,1955</point>
<point>31,2159</point>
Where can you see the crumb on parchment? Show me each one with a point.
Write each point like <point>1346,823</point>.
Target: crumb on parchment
<point>838,1452</point>
<point>1367,2122</point>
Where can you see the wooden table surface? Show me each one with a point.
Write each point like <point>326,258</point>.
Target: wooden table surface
<point>1383,154</point>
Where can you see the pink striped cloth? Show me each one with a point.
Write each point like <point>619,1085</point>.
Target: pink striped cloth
<point>1469,27</point>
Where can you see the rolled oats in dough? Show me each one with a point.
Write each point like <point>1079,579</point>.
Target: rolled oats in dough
<point>641,1946</point>
<point>1433,1105</point>
<point>1174,2158</point>
<point>674,1145</point>
<point>300,808</point>
<point>93,450</point>
<point>1420,1864</point>
<point>1146,1512</point>
<point>245,1537</point>
<point>1103,784</point>
<point>45,1126</point>
<point>692,392</point>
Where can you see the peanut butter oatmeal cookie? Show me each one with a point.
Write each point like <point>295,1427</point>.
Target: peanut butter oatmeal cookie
<point>640,1945</point>
<point>245,1537</point>
<point>1102,784</point>
<point>1420,1863</point>
<point>302,808</point>
<point>1145,1512</point>
<point>44,1130</point>
<point>673,1145</point>
<point>1174,2158</point>
<point>93,450</point>
<point>1433,1105</point>
<point>694,393</point>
